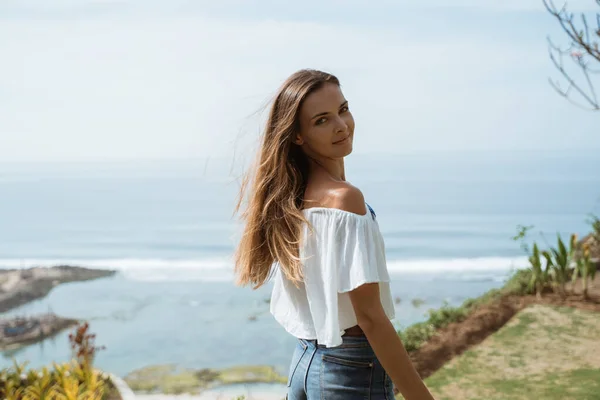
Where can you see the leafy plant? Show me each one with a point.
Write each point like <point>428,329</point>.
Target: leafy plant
<point>83,347</point>
<point>445,315</point>
<point>561,263</point>
<point>539,276</point>
<point>40,386</point>
<point>595,223</point>
<point>415,335</point>
<point>70,389</point>
<point>585,268</point>
<point>76,380</point>
<point>521,236</point>
<point>517,284</point>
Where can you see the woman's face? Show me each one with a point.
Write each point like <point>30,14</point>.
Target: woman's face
<point>326,124</point>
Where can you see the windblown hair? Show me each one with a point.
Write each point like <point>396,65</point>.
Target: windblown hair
<point>274,189</point>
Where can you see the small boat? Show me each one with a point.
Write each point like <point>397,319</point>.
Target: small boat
<point>20,327</point>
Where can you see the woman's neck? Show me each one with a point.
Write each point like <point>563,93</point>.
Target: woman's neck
<point>334,168</point>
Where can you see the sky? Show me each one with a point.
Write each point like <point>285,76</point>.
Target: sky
<point>173,79</point>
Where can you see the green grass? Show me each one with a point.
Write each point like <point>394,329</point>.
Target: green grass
<point>544,352</point>
<point>170,379</point>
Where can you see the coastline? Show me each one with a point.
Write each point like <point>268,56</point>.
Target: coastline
<point>21,286</point>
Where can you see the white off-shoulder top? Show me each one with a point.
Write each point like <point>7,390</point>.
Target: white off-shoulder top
<point>344,251</point>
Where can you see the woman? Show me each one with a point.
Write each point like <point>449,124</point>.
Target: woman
<point>313,230</point>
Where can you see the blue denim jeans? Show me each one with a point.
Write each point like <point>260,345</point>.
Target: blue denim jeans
<point>350,371</point>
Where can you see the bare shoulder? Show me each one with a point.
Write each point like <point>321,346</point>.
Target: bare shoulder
<point>347,198</point>
<point>328,193</point>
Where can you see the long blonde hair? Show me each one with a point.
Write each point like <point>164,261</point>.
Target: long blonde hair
<point>274,189</point>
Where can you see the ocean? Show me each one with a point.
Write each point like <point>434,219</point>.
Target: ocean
<point>167,227</point>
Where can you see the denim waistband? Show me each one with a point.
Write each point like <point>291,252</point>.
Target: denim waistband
<point>347,341</point>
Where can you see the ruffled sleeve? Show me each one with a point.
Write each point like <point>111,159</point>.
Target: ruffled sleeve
<point>342,252</point>
<point>358,253</point>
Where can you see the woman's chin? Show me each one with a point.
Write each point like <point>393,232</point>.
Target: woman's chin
<point>341,150</point>
<point>348,150</point>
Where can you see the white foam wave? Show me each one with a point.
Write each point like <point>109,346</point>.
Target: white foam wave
<point>122,264</point>
<point>140,269</point>
<point>221,269</point>
<point>475,264</point>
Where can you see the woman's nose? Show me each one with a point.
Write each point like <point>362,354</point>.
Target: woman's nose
<point>341,125</point>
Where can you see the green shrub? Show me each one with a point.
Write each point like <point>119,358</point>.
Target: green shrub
<point>517,284</point>
<point>444,315</point>
<point>415,335</point>
<point>76,380</point>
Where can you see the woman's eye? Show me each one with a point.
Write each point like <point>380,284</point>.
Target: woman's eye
<point>320,121</point>
<point>344,109</point>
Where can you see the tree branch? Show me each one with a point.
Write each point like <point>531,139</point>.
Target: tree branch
<point>583,50</point>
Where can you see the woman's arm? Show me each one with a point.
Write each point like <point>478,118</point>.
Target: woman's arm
<point>371,317</point>
<point>386,343</point>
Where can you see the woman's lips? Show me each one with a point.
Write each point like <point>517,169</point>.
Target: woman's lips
<point>343,140</point>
